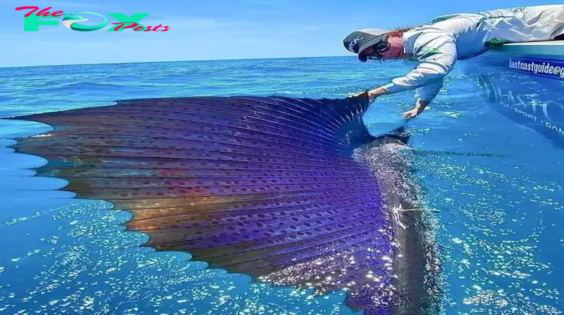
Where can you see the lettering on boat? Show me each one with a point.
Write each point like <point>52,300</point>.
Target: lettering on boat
<point>554,127</point>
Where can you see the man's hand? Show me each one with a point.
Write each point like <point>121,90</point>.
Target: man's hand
<point>372,95</point>
<point>418,109</point>
<point>412,113</point>
<point>355,94</point>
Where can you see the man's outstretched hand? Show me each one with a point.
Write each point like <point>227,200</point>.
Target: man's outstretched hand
<point>351,95</point>
<point>412,113</point>
<point>418,109</point>
<point>371,97</point>
<point>372,94</point>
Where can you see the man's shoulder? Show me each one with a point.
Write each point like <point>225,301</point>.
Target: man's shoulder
<point>428,37</point>
<point>428,45</point>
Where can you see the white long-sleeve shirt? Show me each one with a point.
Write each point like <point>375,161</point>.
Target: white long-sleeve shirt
<point>437,46</point>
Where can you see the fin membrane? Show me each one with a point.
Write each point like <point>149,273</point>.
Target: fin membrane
<point>265,186</point>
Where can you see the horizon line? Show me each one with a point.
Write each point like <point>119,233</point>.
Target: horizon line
<point>163,61</point>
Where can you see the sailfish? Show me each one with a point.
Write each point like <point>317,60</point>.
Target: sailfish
<point>290,191</point>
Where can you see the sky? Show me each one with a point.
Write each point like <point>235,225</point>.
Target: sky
<point>212,30</point>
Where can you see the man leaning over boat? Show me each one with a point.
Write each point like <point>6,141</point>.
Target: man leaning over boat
<point>439,44</point>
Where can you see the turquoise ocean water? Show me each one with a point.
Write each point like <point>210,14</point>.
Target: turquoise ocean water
<point>499,223</point>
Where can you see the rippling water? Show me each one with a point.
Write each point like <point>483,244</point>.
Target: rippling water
<point>498,225</point>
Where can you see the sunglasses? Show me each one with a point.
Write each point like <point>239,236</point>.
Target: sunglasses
<point>377,49</point>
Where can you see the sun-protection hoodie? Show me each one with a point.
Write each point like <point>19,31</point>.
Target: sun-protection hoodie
<point>438,45</point>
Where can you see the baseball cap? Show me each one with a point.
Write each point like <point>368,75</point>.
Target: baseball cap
<point>358,41</point>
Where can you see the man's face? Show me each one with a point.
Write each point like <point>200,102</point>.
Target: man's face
<point>393,50</point>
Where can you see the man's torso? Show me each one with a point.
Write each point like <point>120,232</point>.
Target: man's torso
<point>473,32</point>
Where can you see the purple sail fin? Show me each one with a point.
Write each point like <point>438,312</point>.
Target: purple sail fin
<point>272,187</point>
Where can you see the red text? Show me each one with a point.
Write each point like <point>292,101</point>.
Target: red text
<point>43,12</point>
<point>137,28</point>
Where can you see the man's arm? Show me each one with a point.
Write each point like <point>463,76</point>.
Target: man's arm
<point>424,96</point>
<point>437,61</point>
<point>418,109</point>
<point>373,94</point>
